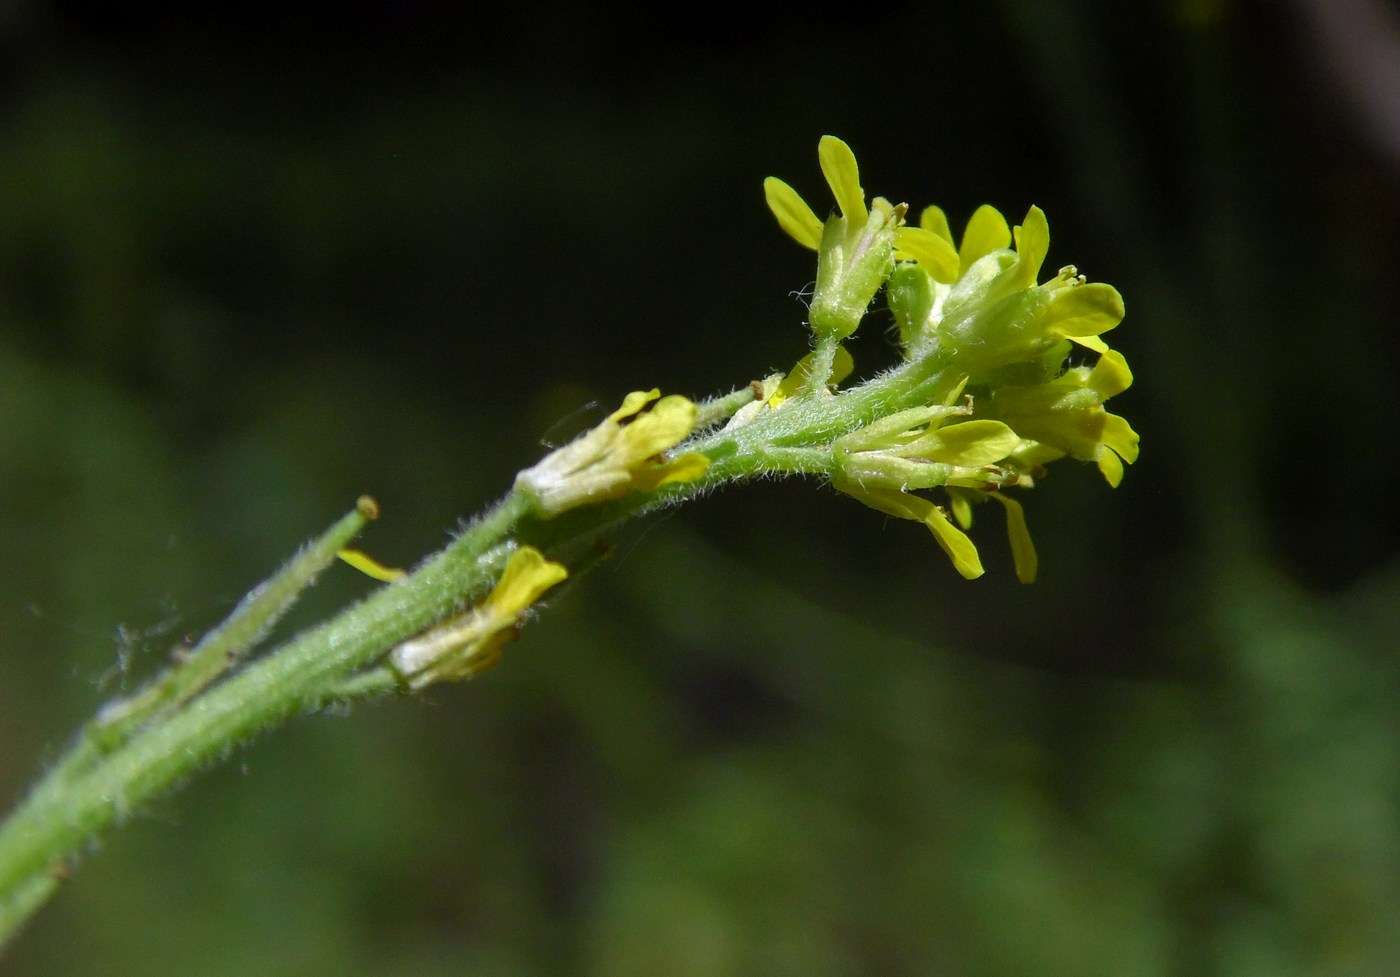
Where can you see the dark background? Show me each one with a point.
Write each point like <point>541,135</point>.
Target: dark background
<point>252,267</point>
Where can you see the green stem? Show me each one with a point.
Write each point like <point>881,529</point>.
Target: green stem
<point>196,715</point>
<point>716,409</point>
<point>815,419</point>
<point>63,813</point>
<point>26,898</point>
<point>221,649</point>
<point>823,362</point>
<point>370,684</point>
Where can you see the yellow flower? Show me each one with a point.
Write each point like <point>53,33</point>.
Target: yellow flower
<point>625,453</point>
<point>854,250</point>
<point>470,644</point>
<point>1017,532</point>
<point>842,174</point>
<point>915,449</point>
<point>981,302</point>
<point>1065,416</point>
<point>954,541</point>
<point>1022,549</point>
<point>924,447</point>
<point>931,243</point>
<point>976,310</point>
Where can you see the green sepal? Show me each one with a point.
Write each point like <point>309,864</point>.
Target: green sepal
<point>911,294</point>
<point>851,267</point>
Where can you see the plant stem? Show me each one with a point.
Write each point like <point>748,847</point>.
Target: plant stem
<point>195,715</point>
<point>71,806</point>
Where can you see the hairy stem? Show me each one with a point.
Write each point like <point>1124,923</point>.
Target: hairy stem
<point>78,802</point>
<point>214,702</point>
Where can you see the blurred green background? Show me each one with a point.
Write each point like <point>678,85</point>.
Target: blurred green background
<point>251,268</point>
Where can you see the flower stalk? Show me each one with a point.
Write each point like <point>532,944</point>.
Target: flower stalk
<point>981,403</point>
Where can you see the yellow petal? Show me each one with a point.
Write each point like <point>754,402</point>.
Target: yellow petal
<point>1090,342</point>
<point>933,219</point>
<point>525,579</point>
<point>1110,464</point>
<point>933,253</point>
<point>1119,435</point>
<point>986,232</point>
<point>1085,310</point>
<point>1022,549</point>
<point>369,566</point>
<point>955,542</point>
<point>633,403</point>
<point>794,216</point>
<point>662,427</point>
<point>973,444</point>
<point>686,468</point>
<point>1032,245</point>
<point>1110,375</point>
<point>843,176</point>
<point>962,509</point>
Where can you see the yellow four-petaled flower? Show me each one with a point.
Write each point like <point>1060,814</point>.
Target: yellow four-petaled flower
<point>855,249</point>
<point>471,643</point>
<point>884,463</point>
<point>625,453</point>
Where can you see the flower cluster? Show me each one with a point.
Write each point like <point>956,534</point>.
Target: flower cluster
<point>975,312</point>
